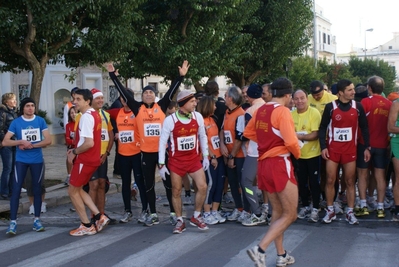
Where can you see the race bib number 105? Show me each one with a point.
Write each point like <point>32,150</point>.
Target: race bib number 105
<point>186,143</point>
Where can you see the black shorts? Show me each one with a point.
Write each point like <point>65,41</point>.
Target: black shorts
<point>101,172</point>
<point>379,157</point>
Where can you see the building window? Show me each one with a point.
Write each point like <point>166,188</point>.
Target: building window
<point>324,38</point>
<point>390,47</point>
<point>23,91</point>
<point>328,39</point>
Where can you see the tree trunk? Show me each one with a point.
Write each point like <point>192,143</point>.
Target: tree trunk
<point>36,84</point>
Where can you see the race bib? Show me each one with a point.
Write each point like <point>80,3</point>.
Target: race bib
<point>343,134</point>
<point>126,137</point>
<point>303,142</point>
<point>228,139</point>
<point>186,143</point>
<point>152,129</point>
<point>104,135</point>
<point>215,140</point>
<point>31,135</point>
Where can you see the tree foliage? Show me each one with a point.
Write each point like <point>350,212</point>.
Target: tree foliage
<point>369,67</point>
<point>241,39</point>
<point>34,33</point>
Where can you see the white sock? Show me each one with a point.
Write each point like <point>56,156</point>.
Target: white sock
<point>363,203</point>
<point>196,214</point>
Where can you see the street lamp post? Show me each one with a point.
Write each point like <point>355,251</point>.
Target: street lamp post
<point>365,45</point>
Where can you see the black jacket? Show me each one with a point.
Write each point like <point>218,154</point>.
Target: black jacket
<point>7,115</point>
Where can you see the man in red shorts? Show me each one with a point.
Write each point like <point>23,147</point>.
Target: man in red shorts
<point>186,132</point>
<point>272,123</point>
<point>340,122</point>
<point>86,159</point>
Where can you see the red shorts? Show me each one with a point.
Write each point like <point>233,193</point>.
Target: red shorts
<point>81,174</point>
<point>342,158</point>
<point>181,168</point>
<point>274,173</point>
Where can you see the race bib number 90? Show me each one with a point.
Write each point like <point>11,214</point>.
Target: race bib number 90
<point>152,129</point>
<point>343,134</point>
<point>104,135</point>
<point>126,137</point>
<point>31,135</point>
<point>186,143</point>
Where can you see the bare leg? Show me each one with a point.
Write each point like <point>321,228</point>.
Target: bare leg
<point>176,193</point>
<point>284,205</point>
<point>331,171</point>
<point>350,177</point>
<point>200,181</point>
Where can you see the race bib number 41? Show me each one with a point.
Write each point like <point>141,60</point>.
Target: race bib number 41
<point>31,135</point>
<point>186,143</point>
<point>343,134</point>
<point>152,129</point>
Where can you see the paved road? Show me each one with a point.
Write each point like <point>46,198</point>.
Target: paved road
<point>372,243</point>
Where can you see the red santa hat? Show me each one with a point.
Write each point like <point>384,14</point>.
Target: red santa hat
<point>96,93</point>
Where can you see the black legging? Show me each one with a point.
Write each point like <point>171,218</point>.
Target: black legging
<point>149,162</point>
<point>127,164</point>
<point>308,172</point>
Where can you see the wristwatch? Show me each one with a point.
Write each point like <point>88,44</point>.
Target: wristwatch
<point>74,152</point>
<point>230,156</point>
<point>213,157</point>
<point>107,153</point>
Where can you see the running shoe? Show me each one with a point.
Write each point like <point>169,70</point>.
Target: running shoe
<point>380,213</point>
<point>227,198</point>
<point>362,212</point>
<point>284,261</point>
<point>351,218</point>
<point>180,227</point>
<point>111,220</point>
<point>102,222</point>
<point>219,217</point>
<point>187,200</point>
<point>23,190</point>
<point>31,210</point>
<point>254,220</point>
<point>44,207</point>
<point>330,216</point>
<point>199,222</point>
<point>37,226</point>
<point>304,213</point>
<point>337,208</point>
<point>126,217</point>
<point>388,203</point>
<point>142,217</point>
<point>210,219</point>
<point>395,217</point>
<point>314,216</point>
<point>151,220</point>
<point>12,228</point>
<point>234,215</point>
<point>173,218</point>
<point>83,230</point>
<point>257,257</point>
<point>243,216</point>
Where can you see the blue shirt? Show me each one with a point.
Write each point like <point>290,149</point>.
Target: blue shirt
<point>29,130</point>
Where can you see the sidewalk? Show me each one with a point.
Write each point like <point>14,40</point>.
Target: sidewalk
<point>55,156</point>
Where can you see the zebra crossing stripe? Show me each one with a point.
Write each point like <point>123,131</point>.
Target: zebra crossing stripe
<point>364,248</point>
<point>292,238</point>
<point>172,248</point>
<point>79,248</point>
<point>29,237</point>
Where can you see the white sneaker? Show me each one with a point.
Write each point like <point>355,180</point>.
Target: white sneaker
<point>257,257</point>
<point>44,207</point>
<point>23,190</point>
<point>254,220</point>
<point>210,219</point>
<point>304,213</point>
<point>219,217</point>
<point>338,208</point>
<point>31,210</point>
<point>126,217</point>
<point>284,261</point>
<point>187,200</point>
<point>244,216</point>
<point>234,216</point>
<point>142,217</point>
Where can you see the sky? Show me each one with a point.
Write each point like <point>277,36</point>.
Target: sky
<point>351,18</point>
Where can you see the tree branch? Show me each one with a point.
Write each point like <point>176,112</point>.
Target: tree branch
<point>185,24</point>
